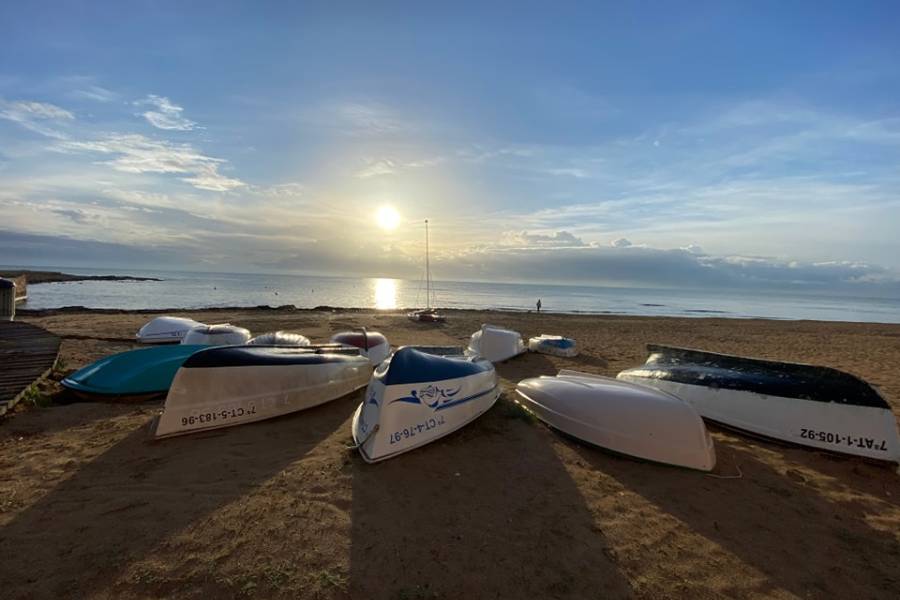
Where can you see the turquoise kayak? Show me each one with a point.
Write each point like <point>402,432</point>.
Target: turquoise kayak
<point>144,372</point>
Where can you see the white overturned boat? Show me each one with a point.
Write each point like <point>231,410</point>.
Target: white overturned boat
<point>224,334</point>
<point>372,344</point>
<point>496,343</point>
<point>221,387</point>
<point>804,404</point>
<point>555,345</point>
<point>420,395</point>
<point>626,418</point>
<point>279,338</point>
<point>165,330</point>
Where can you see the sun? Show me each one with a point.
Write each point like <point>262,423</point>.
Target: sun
<point>387,218</point>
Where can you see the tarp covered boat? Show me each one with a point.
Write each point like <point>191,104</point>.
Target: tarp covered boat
<point>555,345</point>
<point>223,334</point>
<point>420,395</point>
<point>496,343</point>
<point>232,385</point>
<point>137,373</point>
<point>804,404</point>
<point>623,417</point>
<point>372,344</point>
<point>165,330</point>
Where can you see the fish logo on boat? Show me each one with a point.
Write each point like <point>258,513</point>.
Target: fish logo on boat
<point>431,396</point>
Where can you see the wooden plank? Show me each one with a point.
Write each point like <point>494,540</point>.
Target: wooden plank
<point>27,354</point>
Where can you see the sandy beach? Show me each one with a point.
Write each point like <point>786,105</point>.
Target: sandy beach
<point>505,508</point>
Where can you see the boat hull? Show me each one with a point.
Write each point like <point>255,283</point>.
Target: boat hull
<point>222,387</point>
<point>165,330</point>
<point>372,344</point>
<point>554,345</point>
<point>496,344</point>
<point>802,404</point>
<point>141,373</point>
<point>622,417</point>
<point>427,401</point>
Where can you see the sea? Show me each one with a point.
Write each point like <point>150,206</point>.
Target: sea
<point>184,290</point>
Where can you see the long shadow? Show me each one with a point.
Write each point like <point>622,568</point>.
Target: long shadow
<point>779,524</point>
<point>116,509</point>
<point>488,512</point>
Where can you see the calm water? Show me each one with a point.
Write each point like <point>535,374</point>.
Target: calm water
<point>200,290</point>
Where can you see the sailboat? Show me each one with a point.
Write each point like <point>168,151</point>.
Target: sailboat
<point>429,314</point>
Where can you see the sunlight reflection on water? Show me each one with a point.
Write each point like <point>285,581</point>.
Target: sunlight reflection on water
<point>385,293</point>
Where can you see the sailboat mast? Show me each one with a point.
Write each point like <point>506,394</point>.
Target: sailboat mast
<point>427,271</point>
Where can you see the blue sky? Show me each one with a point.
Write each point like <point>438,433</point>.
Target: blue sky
<point>714,143</point>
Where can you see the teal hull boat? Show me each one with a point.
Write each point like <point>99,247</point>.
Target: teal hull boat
<point>136,373</point>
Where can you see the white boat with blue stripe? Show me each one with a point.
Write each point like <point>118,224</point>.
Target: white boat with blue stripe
<point>419,395</point>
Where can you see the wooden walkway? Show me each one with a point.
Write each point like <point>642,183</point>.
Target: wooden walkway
<point>27,353</point>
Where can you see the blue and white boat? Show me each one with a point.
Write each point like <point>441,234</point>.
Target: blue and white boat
<point>419,395</point>
<point>555,345</point>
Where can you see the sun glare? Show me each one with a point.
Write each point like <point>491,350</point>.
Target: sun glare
<point>387,218</point>
<point>385,294</point>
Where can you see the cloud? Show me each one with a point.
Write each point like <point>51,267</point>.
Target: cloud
<point>558,239</point>
<point>167,115</point>
<point>620,243</point>
<point>76,215</point>
<point>645,266</point>
<point>135,153</point>
<point>569,172</point>
<point>35,115</point>
<point>96,93</point>
<point>376,168</point>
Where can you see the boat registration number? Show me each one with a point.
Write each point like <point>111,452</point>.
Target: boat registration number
<point>221,415</point>
<point>847,440</point>
<point>410,432</point>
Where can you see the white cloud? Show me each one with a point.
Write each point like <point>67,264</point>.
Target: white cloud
<point>96,93</point>
<point>377,168</point>
<point>557,239</point>
<point>569,172</point>
<point>35,116</point>
<point>167,115</point>
<point>620,243</point>
<point>386,166</point>
<point>135,153</point>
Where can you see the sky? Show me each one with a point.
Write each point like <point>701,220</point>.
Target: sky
<point>721,144</point>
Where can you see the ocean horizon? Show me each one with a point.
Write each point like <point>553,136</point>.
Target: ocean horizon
<point>193,290</point>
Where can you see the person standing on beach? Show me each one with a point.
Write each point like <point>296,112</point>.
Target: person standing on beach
<point>538,305</point>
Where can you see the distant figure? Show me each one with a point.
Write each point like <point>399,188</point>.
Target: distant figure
<point>539,305</point>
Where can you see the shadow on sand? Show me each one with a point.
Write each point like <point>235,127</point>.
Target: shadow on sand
<point>779,524</point>
<point>488,512</point>
<point>116,509</point>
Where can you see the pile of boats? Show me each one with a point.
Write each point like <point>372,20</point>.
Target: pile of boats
<point>217,376</point>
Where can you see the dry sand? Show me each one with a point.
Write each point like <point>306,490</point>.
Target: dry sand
<point>502,509</point>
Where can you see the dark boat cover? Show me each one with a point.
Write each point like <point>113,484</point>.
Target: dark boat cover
<point>257,356</point>
<point>771,378</point>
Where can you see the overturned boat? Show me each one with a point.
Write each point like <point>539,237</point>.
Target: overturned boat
<point>419,395</point>
<point>554,345</point>
<point>804,404</point>
<point>232,385</point>
<point>279,338</point>
<point>224,334</point>
<point>372,344</point>
<point>496,343</point>
<point>165,330</point>
<point>136,374</point>
<point>619,416</point>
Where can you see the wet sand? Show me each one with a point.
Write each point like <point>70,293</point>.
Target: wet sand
<point>505,508</point>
